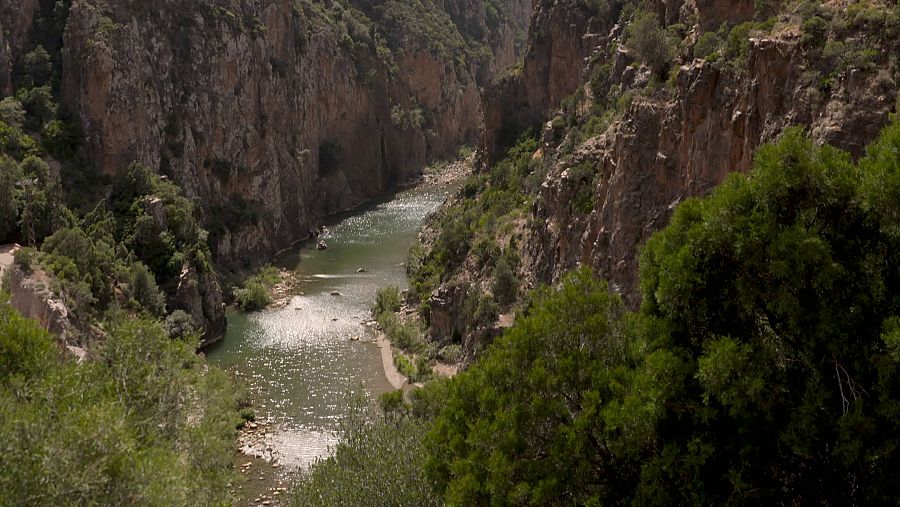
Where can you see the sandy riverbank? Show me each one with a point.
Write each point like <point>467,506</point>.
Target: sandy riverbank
<point>396,379</point>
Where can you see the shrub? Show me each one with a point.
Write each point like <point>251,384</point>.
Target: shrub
<point>252,296</point>
<point>405,366</point>
<point>144,421</point>
<point>450,354</point>
<point>179,324</point>
<point>378,461</point>
<point>506,285</point>
<point>144,290</point>
<point>61,139</point>
<point>402,335</point>
<point>391,403</point>
<point>387,299</point>
<point>12,112</point>
<point>37,68</point>
<point>707,44</point>
<point>247,415</point>
<point>480,311</point>
<point>39,106</point>
<point>25,258</point>
<point>650,42</point>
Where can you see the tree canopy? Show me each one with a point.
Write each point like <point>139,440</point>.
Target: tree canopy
<point>762,366</point>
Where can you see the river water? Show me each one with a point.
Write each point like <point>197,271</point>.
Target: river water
<point>300,361</point>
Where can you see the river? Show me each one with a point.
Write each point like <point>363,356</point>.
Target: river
<point>300,361</point>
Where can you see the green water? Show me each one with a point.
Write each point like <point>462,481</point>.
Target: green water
<point>300,360</point>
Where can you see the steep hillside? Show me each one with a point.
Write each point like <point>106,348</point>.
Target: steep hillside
<point>643,109</point>
<point>267,117</point>
<point>274,114</point>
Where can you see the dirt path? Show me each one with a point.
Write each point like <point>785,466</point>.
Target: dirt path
<point>7,253</point>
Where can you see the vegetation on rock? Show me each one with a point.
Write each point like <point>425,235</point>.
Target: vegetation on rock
<point>143,421</point>
<point>254,292</point>
<point>762,366</point>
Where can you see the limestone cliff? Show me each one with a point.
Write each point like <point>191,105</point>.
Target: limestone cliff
<point>625,145</point>
<point>271,114</point>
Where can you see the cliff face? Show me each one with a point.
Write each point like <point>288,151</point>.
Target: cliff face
<point>16,17</point>
<point>560,37</point>
<point>665,151</point>
<point>271,114</point>
<point>604,190</point>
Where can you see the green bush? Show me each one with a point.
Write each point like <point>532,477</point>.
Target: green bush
<point>378,461</point>
<point>25,258</point>
<point>11,112</point>
<point>391,403</point>
<point>252,296</point>
<point>402,335</point>
<point>506,284</point>
<point>39,106</point>
<point>450,354</point>
<point>387,299</point>
<point>764,363</point>
<point>707,44</point>
<point>143,422</point>
<point>37,68</point>
<point>479,311</point>
<point>179,324</point>
<point>144,291</point>
<point>650,42</point>
<point>405,366</point>
<point>15,143</point>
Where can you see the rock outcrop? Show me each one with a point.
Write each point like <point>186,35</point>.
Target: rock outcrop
<point>665,150</point>
<point>30,295</point>
<point>560,38</point>
<point>661,143</point>
<point>198,293</point>
<point>272,114</point>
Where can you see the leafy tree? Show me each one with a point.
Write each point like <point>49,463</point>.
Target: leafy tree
<point>9,209</point>
<point>379,461</point>
<point>144,291</point>
<point>37,68</point>
<point>650,42</point>
<point>252,296</point>
<point>523,425</point>
<point>12,112</point>
<point>763,367</point>
<point>143,422</point>
<point>39,106</point>
<point>506,284</point>
<point>85,267</point>
<point>387,299</point>
<point>780,291</point>
<point>179,324</point>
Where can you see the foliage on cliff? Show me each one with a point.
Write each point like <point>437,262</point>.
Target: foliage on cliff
<point>144,421</point>
<point>127,252</point>
<point>762,367</point>
<point>379,461</point>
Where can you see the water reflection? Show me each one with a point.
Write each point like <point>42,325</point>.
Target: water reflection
<point>301,360</point>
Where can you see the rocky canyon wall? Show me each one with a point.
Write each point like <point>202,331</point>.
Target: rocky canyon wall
<point>271,114</point>
<point>629,158</point>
